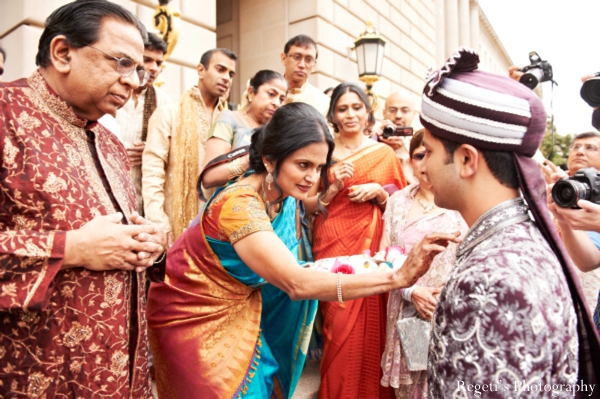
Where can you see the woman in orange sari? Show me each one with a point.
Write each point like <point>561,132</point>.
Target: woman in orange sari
<point>354,332</point>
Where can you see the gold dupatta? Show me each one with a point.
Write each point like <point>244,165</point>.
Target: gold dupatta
<point>192,127</point>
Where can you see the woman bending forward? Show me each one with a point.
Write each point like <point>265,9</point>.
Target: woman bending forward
<point>232,317</point>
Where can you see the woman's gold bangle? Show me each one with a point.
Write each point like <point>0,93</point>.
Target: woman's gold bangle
<point>324,203</point>
<point>321,199</point>
<point>339,289</point>
<point>235,168</point>
<point>386,198</point>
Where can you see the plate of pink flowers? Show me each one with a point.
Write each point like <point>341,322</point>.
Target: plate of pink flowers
<point>392,258</point>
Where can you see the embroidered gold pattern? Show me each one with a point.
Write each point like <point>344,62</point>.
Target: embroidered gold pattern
<point>38,383</point>
<point>72,155</point>
<point>76,334</point>
<point>22,223</point>
<point>54,184</point>
<point>112,290</point>
<point>28,122</point>
<point>9,154</point>
<point>118,363</point>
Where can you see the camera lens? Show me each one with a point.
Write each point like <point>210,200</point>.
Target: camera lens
<point>532,78</point>
<point>388,131</point>
<point>590,92</point>
<point>566,193</point>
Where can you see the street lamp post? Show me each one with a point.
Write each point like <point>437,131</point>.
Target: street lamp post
<point>369,55</point>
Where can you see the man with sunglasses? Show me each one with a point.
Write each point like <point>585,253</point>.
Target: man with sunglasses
<point>299,58</point>
<point>74,250</point>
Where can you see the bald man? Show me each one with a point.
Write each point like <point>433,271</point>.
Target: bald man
<point>400,111</point>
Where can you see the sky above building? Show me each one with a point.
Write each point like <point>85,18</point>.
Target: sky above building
<point>563,33</point>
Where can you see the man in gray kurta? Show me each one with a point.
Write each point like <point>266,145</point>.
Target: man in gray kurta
<point>511,320</point>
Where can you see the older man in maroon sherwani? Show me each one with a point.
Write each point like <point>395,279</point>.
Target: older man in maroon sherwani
<point>73,250</point>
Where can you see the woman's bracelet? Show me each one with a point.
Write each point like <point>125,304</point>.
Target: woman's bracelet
<point>386,199</point>
<point>407,293</point>
<point>235,168</point>
<point>339,288</point>
<point>321,200</point>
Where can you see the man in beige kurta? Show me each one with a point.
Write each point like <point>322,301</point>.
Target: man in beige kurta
<point>175,145</point>
<point>299,58</point>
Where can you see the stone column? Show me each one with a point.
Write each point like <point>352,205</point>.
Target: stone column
<point>440,33</point>
<point>451,27</point>
<point>464,22</point>
<point>475,25</point>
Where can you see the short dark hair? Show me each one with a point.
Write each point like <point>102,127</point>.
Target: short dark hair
<point>500,163</point>
<point>292,127</point>
<point>80,22</point>
<point>339,91</point>
<point>416,141</point>
<point>155,43</point>
<point>587,135</point>
<point>207,56</point>
<point>301,41</point>
<point>265,76</point>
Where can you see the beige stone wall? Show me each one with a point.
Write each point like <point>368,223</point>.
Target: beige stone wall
<point>407,25</point>
<point>258,29</point>
<point>263,31</point>
<point>494,57</point>
<point>465,24</point>
<point>22,21</point>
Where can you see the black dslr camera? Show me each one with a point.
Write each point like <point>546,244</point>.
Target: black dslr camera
<point>393,130</point>
<point>537,72</point>
<point>584,184</point>
<point>590,92</point>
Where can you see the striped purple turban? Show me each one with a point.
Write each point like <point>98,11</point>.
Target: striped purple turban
<point>496,113</point>
<point>488,111</point>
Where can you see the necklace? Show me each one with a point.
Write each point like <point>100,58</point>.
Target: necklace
<point>426,208</point>
<point>251,122</point>
<point>352,149</point>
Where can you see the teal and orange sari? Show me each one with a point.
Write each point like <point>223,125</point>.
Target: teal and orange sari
<point>217,329</point>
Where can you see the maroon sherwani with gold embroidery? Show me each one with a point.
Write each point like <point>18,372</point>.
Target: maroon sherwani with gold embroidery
<point>71,333</point>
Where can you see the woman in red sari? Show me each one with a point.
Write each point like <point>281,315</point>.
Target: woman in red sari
<point>354,332</point>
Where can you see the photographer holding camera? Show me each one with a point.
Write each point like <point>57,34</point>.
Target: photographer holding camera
<point>398,116</point>
<point>579,228</point>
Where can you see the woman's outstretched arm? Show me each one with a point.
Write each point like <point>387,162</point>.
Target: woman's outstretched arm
<point>268,257</point>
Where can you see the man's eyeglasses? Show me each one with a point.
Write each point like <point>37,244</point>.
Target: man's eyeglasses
<point>308,60</point>
<point>418,156</point>
<point>126,66</point>
<point>586,147</point>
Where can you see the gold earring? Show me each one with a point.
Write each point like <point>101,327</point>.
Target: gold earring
<point>269,180</point>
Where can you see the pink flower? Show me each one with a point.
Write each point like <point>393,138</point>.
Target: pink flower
<point>367,252</point>
<point>344,268</point>
<point>393,252</point>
